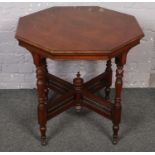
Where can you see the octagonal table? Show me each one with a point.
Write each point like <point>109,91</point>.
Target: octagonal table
<point>78,33</point>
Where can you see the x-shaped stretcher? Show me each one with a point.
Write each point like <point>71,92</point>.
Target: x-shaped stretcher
<point>78,95</point>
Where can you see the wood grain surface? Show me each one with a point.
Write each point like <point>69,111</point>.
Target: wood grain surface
<point>76,31</point>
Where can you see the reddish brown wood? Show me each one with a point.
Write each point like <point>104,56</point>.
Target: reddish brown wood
<point>96,109</point>
<point>47,81</point>
<point>78,33</point>
<point>96,83</point>
<point>116,112</point>
<point>96,99</point>
<point>59,85</point>
<point>108,79</point>
<point>59,110</point>
<point>41,89</point>
<point>52,103</point>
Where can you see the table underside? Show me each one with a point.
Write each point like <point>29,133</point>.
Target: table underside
<point>67,100</point>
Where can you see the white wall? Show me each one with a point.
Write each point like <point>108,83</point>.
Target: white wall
<point>17,69</point>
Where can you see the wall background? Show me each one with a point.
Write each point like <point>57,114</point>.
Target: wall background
<point>17,69</point>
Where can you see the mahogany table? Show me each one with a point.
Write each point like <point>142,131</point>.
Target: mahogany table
<point>78,33</point>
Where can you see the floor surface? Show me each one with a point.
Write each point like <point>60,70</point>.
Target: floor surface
<point>71,131</point>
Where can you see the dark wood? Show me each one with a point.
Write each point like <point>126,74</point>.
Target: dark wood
<point>116,112</point>
<point>41,89</point>
<point>58,101</point>
<point>97,104</point>
<point>78,33</point>
<point>96,83</point>
<point>61,109</point>
<point>108,79</point>
<point>78,84</point>
<point>59,85</point>
<point>47,81</point>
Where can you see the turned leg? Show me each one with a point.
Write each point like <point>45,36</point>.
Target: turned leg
<point>78,82</point>
<point>47,82</point>
<point>41,87</point>
<point>116,113</point>
<point>108,79</point>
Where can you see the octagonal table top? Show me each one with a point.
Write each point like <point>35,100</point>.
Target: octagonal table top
<point>77,31</point>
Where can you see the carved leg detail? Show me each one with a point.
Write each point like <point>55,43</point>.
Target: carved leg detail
<point>108,80</point>
<point>41,86</point>
<point>47,82</point>
<point>116,113</point>
<point>78,82</point>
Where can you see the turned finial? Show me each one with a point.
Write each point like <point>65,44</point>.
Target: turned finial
<point>78,74</point>
<point>78,82</point>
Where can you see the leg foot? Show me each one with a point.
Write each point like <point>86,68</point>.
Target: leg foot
<point>115,140</point>
<point>78,108</point>
<point>115,134</point>
<point>43,141</point>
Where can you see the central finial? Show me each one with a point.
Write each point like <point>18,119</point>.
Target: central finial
<point>78,81</point>
<point>78,74</point>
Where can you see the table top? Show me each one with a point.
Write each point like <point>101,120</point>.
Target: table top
<point>79,31</point>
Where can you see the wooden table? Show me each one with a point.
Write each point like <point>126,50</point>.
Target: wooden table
<point>78,33</point>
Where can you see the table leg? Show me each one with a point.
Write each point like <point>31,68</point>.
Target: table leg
<point>47,81</point>
<point>116,113</point>
<point>108,79</point>
<point>41,87</point>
